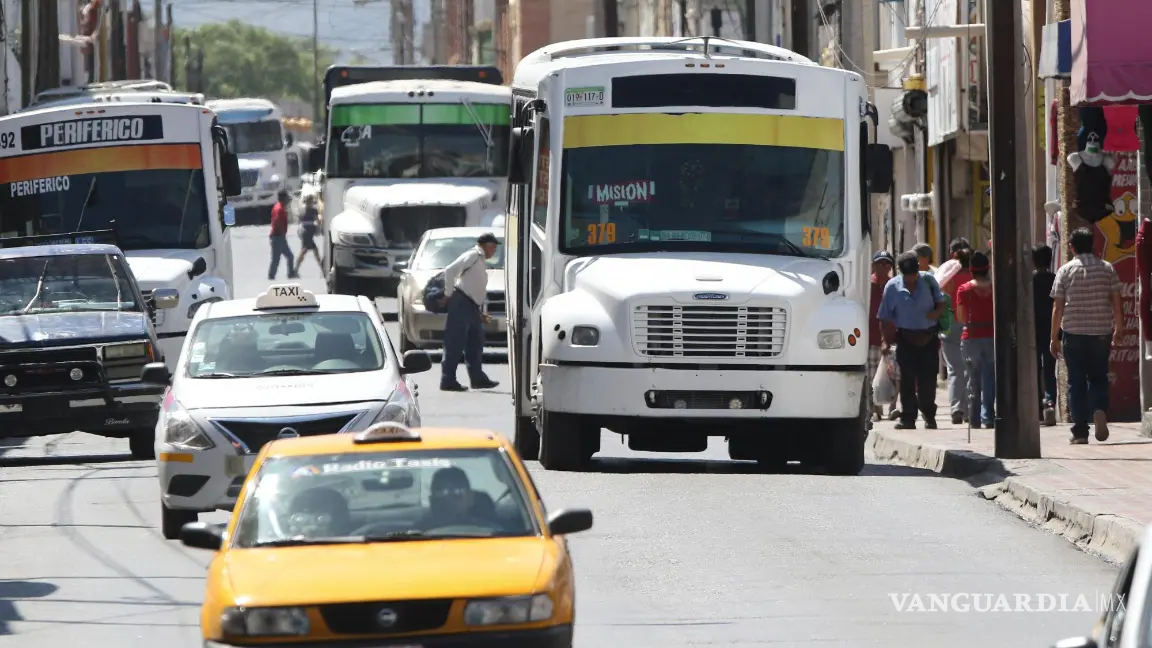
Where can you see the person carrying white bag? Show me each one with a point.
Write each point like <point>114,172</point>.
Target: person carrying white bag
<point>881,372</point>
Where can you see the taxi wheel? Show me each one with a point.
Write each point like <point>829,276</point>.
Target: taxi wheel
<point>172,520</point>
<point>844,449</point>
<point>527,439</point>
<point>140,443</point>
<point>561,442</point>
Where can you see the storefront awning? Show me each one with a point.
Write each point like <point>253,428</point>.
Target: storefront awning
<point>1111,52</point>
<point>1056,50</point>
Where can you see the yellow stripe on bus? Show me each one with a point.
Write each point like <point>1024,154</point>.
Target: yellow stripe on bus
<point>100,160</point>
<point>704,128</point>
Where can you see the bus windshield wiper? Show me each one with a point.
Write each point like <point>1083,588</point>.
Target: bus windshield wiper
<point>485,132</point>
<point>217,374</point>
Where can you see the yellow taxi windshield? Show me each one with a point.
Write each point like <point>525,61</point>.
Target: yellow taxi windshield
<point>384,496</point>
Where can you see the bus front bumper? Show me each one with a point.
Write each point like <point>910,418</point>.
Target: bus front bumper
<point>804,393</point>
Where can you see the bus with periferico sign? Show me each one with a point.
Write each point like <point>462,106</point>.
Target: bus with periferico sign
<point>409,149</point>
<point>158,174</point>
<point>688,251</point>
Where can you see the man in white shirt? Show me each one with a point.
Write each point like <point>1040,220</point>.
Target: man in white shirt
<point>465,288</point>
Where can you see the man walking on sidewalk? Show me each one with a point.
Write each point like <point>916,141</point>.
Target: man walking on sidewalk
<point>465,288</point>
<point>952,274</point>
<point>1042,280</point>
<point>1087,307</point>
<point>924,257</point>
<point>882,264</point>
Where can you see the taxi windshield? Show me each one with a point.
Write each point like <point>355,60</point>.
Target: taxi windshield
<point>437,253</point>
<point>65,283</point>
<point>384,497</point>
<point>284,344</point>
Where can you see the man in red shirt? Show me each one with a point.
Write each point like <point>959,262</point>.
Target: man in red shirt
<point>278,238</point>
<point>977,342</point>
<point>882,263</point>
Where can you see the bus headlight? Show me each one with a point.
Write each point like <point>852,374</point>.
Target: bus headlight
<point>508,610</point>
<point>271,184</point>
<point>830,339</point>
<point>585,336</point>
<point>265,622</point>
<point>354,239</point>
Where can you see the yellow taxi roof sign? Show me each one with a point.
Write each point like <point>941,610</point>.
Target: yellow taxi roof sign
<point>285,296</point>
<point>386,432</point>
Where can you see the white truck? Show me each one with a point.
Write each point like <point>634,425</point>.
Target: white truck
<point>689,251</point>
<point>409,149</point>
<point>159,174</point>
<point>259,139</point>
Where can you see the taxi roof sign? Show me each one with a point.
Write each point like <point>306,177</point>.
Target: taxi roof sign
<point>386,432</point>
<point>285,296</point>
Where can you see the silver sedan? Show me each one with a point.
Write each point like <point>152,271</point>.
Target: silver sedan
<point>423,329</point>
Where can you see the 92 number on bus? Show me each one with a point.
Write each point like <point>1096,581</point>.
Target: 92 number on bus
<point>7,140</point>
<point>600,233</point>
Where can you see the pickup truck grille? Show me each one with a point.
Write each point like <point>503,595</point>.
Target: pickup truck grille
<point>49,370</point>
<point>708,331</point>
<point>249,178</point>
<point>496,305</point>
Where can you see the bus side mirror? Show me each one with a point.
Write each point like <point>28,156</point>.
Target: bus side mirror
<point>520,165</point>
<point>879,157</point>
<point>315,159</point>
<point>230,169</point>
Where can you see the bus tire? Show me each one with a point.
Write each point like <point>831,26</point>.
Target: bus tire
<point>561,446</point>
<point>844,450</point>
<point>527,439</point>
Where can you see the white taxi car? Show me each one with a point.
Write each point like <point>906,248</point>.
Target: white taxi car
<point>287,363</point>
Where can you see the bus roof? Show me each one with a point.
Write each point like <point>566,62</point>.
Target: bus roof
<point>345,75</point>
<point>105,86</point>
<point>379,91</point>
<point>133,96</point>
<point>75,109</point>
<point>240,103</point>
<point>590,51</point>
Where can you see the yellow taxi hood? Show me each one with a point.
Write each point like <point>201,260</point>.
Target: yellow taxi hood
<point>387,571</point>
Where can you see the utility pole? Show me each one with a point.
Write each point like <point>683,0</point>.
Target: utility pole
<point>116,41</point>
<point>611,18</point>
<point>799,17</point>
<point>750,20</point>
<point>27,52</point>
<point>684,30</point>
<point>157,37</point>
<point>717,21</point>
<point>170,46</point>
<point>315,61</point>
<point>48,48</point>
<point>1017,419</point>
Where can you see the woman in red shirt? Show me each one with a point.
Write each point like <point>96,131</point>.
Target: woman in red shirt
<point>974,311</point>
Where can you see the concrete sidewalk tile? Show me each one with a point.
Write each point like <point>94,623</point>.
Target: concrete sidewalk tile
<point>1098,496</point>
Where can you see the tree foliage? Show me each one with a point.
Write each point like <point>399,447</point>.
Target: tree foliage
<point>241,60</point>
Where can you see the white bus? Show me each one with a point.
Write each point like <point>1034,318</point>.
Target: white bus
<point>257,136</point>
<point>688,251</point>
<point>156,173</point>
<point>406,156</point>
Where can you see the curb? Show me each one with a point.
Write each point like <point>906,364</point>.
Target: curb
<point>1109,536</point>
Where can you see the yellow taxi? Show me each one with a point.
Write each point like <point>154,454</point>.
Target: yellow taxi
<point>392,537</point>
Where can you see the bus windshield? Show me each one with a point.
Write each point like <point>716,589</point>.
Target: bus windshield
<point>750,197</point>
<point>149,209</point>
<point>254,137</point>
<point>451,140</point>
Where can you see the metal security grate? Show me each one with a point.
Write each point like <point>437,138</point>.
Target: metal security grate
<point>708,331</point>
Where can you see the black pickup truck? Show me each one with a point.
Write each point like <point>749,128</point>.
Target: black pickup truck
<point>75,336</point>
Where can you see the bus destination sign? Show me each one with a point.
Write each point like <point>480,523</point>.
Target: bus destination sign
<point>92,131</point>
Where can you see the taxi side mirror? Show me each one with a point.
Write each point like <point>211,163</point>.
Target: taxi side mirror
<point>417,361</point>
<point>1075,642</point>
<point>201,535</point>
<point>567,521</point>
<point>155,373</point>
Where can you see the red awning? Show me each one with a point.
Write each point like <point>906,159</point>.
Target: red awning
<point>1111,52</point>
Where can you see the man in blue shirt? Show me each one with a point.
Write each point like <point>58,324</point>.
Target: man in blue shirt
<point>909,312</point>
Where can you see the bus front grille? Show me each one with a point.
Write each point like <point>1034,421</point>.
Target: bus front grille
<point>667,331</point>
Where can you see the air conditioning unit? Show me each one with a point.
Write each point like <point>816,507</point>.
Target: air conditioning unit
<point>916,202</point>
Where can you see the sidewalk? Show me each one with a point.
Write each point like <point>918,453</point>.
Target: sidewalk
<point>1098,496</point>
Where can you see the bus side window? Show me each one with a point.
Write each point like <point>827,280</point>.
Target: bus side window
<point>540,191</point>
<point>865,195</point>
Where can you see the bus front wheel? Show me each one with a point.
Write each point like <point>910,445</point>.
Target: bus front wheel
<point>561,441</point>
<point>527,440</point>
<point>844,450</point>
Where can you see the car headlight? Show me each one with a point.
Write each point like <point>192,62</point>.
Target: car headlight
<point>195,307</point>
<point>356,240</point>
<point>508,611</point>
<point>830,339</point>
<point>121,351</point>
<point>271,183</point>
<point>181,431</point>
<point>265,622</point>
<point>399,407</point>
<point>585,336</point>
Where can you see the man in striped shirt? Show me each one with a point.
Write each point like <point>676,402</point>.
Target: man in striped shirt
<point>1086,306</point>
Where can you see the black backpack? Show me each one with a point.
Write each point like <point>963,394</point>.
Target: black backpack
<point>433,293</point>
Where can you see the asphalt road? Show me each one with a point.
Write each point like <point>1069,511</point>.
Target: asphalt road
<point>687,550</point>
